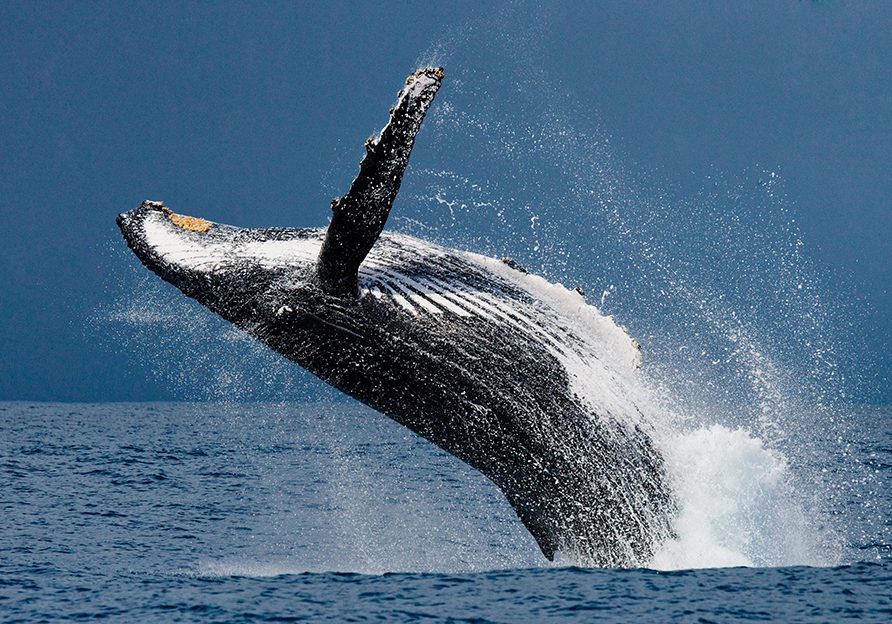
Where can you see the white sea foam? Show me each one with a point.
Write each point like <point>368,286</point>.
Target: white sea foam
<point>737,505</point>
<point>249,568</point>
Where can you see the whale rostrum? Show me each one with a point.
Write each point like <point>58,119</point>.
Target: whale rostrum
<point>514,375</point>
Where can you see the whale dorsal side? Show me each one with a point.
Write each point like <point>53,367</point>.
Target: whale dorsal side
<point>359,216</point>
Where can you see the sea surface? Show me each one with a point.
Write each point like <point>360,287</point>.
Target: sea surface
<point>262,512</point>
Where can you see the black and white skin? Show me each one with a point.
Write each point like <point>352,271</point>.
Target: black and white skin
<point>516,376</point>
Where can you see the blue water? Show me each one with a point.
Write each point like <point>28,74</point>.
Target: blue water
<point>262,512</point>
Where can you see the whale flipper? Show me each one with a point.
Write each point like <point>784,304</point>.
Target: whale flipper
<point>359,216</point>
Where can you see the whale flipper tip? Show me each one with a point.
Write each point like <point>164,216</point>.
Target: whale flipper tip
<point>436,73</point>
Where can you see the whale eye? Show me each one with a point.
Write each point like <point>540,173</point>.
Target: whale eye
<point>193,224</point>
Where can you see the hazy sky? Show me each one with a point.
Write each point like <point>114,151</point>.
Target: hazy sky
<point>254,114</point>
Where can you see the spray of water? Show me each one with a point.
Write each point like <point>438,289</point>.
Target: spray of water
<point>740,377</point>
<point>739,335</point>
<point>196,353</point>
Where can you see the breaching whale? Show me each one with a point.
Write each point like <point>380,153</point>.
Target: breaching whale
<point>516,376</point>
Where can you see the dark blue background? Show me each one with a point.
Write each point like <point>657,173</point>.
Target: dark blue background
<point>255,115</point>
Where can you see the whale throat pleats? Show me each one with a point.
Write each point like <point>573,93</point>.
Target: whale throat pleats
<point>359,216</point>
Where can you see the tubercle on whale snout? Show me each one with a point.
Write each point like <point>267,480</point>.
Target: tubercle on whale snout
<point>131,224</point>
<point>185,222</point>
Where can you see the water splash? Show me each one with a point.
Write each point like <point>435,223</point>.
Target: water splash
<point>741,333</point>
<point>201,356</point>
<point>741,359</point>
<point>735,496</point>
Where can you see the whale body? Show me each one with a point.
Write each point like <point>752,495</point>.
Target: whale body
<point>516,376</point>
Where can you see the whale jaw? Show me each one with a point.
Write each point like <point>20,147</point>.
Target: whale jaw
<point>154,238</point>
<point>223,267</point>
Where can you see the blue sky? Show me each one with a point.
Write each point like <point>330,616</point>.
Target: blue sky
<point>715,128</point>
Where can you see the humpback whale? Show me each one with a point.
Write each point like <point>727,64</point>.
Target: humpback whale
<point>514,375</point>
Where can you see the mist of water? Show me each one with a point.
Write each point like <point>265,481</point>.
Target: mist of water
<point>740,333</point>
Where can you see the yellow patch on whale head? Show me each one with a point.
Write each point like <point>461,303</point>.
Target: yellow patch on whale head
<point>193,224</point>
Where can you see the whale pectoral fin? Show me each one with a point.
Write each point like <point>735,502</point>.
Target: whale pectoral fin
<point>359,216</point>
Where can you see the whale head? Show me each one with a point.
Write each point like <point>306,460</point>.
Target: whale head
<point>228,269</point>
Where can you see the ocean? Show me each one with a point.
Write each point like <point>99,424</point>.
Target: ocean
<point>265,512</point>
